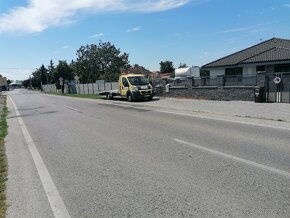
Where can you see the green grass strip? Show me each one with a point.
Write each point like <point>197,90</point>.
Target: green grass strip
<point>91,96</point>
<point>3,159</point>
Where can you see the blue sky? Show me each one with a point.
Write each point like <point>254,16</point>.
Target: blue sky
<point>195,32</point>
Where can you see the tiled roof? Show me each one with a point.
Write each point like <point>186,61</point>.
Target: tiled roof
<point>274,49</point>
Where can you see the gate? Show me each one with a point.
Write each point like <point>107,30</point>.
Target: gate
<point>278,89</point>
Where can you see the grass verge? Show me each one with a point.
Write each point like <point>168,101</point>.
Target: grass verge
<point>91,96</point>
<point>3,160</point>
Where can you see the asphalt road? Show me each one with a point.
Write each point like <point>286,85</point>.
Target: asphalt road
<point>110,159</point>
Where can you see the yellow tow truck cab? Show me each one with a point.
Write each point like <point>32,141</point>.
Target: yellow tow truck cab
<point>132,87</point>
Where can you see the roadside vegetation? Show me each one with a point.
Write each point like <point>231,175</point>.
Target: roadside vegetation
<point>3,160</point>
<point>91,96</point>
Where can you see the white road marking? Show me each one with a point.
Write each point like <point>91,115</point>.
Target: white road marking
<point>73,109</point>
<point>238,159</point>
<point>225,120</point>
<point>56,203</point>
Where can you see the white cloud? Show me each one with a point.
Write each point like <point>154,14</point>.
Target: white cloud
<point>65,47</point>
<point>243,29</point>
<point>135,29</point>
<point>97,35</point>
<point>39,15</point>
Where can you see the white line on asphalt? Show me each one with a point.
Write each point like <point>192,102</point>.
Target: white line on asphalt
<point>73,109</point>
<point>238,159</point>
<point>225,120</point>
<point>56,203</point>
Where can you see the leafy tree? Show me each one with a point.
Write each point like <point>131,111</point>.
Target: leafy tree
<point>26,83</point>
<point>166,67</point>
<point>9,81</point>
<point>39,76</point>
<point>182,65</point>
<point>102,61</point>
<point>63,70</point>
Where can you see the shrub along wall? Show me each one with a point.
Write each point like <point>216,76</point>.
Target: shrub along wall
<point>228,93</point>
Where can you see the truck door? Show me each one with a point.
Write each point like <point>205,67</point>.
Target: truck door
<point>124,87</point>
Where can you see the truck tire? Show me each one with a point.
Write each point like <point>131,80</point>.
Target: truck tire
<point>130,97</point>
<point>110,96</point>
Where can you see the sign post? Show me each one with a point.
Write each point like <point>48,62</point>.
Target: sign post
<point>61,83</point>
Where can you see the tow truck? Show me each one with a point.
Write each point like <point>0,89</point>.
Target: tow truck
<point>132,87</point>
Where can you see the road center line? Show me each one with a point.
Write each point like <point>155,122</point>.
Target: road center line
<point>238,159</point>
<point>224,120</point>
<point>56,203</point>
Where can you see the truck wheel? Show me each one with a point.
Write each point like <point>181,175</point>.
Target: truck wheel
<point>130,97</point>
<point>109,96</point>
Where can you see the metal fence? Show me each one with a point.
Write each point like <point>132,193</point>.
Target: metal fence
<point>90,88</point>
<point>240,80</point>
<point>278,92</point>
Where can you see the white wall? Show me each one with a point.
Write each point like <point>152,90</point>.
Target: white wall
<point>249,70</point>
<point>215,72</point>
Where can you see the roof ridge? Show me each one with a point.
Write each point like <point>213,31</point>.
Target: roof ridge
<point>283,47</point>
<point>281,38</point>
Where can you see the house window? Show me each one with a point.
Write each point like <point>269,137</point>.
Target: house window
<point>282,68</point>
<point>261,68</point>
<point>237,71</point>
<point>204,73</point>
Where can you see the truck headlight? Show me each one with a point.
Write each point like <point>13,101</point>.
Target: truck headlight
<point>134,88</point>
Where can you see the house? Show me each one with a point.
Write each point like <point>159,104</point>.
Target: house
<point>136,69</point>
<point>271,56</point>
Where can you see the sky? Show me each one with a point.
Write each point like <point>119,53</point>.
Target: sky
<point>195,32</point>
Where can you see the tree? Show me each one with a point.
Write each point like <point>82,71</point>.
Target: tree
<point>26,83</point>
<point>102,61</point>
<point>9,81</point>
<point>51,69</point>
<point>39,77</point>
<point>166,67</point>
<point>43,75</point>
<point>63,70</point>
<point>182,65</point>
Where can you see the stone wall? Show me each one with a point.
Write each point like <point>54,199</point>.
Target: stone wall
<point>236,93</point>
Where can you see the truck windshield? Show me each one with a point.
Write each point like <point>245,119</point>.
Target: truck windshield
<point>138,80</point>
